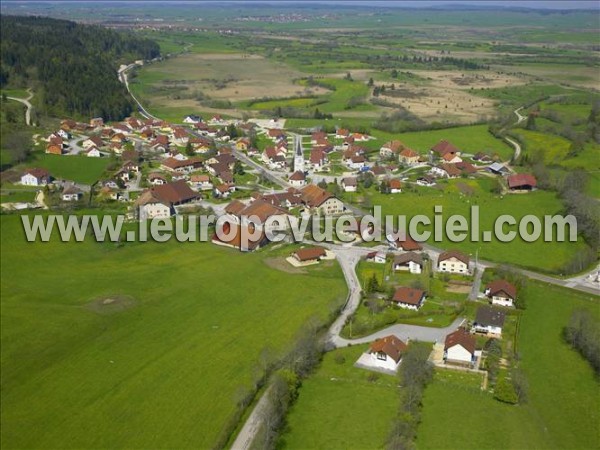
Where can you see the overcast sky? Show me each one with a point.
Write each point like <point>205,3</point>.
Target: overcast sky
<point>536,4</point>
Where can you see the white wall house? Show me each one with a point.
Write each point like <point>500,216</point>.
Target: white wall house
<point>459,348</point>
<point>453,262</point>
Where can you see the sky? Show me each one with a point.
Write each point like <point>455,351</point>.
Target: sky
<point>535,4</point>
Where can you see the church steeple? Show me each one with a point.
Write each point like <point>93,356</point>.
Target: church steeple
<point>298,154</point>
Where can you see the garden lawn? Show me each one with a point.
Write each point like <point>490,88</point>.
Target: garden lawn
<point>563,410</point>
<point>161,367</point>
<point>339,408</point>
<point>80,169</point>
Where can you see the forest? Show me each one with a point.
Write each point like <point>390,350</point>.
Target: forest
<point>72,68</point>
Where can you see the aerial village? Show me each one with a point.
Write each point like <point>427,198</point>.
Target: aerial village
<point>162,170</point>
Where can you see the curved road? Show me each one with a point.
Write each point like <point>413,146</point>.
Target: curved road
<point>26,102</point>
<point>348,257</point>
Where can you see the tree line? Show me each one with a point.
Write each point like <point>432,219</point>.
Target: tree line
<point>71,67</point>
<point>583,334</point>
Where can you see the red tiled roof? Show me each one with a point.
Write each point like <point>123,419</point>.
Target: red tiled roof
<point>502,286</point>
<point>390,345</point>
<point>410,296</point>
<point>310,253</point>
<point>521,179</point>
<point>460,337</point>
<point>444,147</point>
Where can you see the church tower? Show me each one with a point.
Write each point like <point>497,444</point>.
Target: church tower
<point>298,155</point>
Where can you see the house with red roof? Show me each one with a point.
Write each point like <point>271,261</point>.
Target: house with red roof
<point>384,355</point>
<point>501,292</point>
<point>521,182</point>
<point>409,298</point>
<point>459,348</point>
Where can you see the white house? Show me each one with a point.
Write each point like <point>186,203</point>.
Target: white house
<point>192,119</point>
<point>350,184</point>
<point>71,194</point>
<point>35,177</point>
<point>459,348</point>
<point>411,262</point>
<point>453,262</point>
<point>297,179</point>
<point>409,298</point>
<point>501,293</point>
<point>384,355</point>
<point>376,257</point>
<point>489,320</point>
<point>93,152</point>
<point>201,182</point>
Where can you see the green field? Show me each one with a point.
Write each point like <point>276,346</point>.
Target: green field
<point>561,385</point>
<point>165,362</point>
<point>80,169</point>
<point>339,407</point>
<point>539,255</point>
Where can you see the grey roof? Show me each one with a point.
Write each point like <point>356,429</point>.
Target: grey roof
<point>496,167</point>
<point>487,315</point>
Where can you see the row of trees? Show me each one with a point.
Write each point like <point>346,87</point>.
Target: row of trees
<point>72,67</point>
<point>414,373</point>
<point>583,333</point>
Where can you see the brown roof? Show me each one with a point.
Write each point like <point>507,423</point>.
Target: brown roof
<point>451,169</point>
<point>502,286</point>
<point>298,176</point>
<point>395,184</point>
<point>408,153</point>
<point>173,193</point>
<point>410,296</point>
<point>310,253</point>
<point>262,210</point>
<point>314,196</point>
<point>97,140</point>
<point>408,244</point>
<point>460,337</point>
<point>466,167</point>
<point>235,207</point>
<point>199,178</point>
<point>350,181</point>
<point>406,257</point>
<point>521,179</point>
<point>453,254</point>
<point>444,147</point>
<point>173,163</point>
<point>236,239</point>
<point>317,156</point>
<point>394,146</point>
<point>390,345</point>
<point>37,172</point>
<point>154,176</point>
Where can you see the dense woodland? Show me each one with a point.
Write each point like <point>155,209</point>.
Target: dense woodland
<point>71,67</point>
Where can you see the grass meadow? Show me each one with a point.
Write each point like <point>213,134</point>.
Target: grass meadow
<point>80,169</point>
<point>563,398</point>
<point>340,407</point>
<point>458,195</point>
<point>143,345</point>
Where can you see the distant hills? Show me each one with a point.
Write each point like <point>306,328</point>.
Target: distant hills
<point>71,67</point>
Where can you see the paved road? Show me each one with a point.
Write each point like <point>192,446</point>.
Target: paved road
<point>26,102</point>
<point>244,439</point>
<point>406,332</point>
<point>270,174</point>
<point>122,73</point>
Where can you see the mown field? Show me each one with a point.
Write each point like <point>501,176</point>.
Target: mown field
<point>340,407</point>
<point>456,197</point>
<point>80,169</point>
<point>561,385</point>
<point>142,345</point>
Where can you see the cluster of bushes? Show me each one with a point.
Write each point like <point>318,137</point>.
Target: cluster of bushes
<point>414,373</point>
<point>583,334</point>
